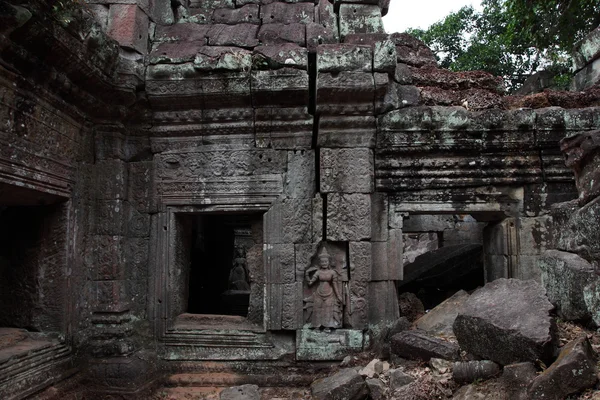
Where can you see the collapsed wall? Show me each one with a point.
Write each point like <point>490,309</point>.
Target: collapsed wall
<point>299,134</point>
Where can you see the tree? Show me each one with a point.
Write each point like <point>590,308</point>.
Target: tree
<point>512,38</point>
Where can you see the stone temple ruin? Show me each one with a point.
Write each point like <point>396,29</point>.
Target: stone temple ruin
<point>237,181</point>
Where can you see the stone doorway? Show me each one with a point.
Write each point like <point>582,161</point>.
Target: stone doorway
<point>219,278</point>
<point>32,262</point>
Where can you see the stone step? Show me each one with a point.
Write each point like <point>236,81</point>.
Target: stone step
<point>227,379</point>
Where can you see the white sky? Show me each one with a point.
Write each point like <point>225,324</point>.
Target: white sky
<point>421,13</point>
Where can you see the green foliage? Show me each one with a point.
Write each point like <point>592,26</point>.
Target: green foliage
<point>512,38</point>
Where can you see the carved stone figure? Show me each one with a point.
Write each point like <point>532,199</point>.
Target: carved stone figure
<point>325,304</point>
<point>238,276</point>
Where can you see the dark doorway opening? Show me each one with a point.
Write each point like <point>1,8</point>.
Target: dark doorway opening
<point>32,263</point>
<point>219,278</point>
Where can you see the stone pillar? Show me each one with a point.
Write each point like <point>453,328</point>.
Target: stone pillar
<point>500,249</point>
<point>117,249</point>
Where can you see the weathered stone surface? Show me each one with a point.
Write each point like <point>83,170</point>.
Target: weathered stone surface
<point>564,275</point>
<point>317,34</point>
<point>240,35</point>
<point>439,320</point>
<point>410,306</point>
<point>346,384</point>
<point>412,51</point>
<point>507,321</point>
<point>579,231</point>
<point>287,13</point>
<point>346,170</point>
<point>384,56</point>
<point>283,33</point>
<point>185,32</point>
<point>582,153</point>
<point>383,303</point>
<point>360,18</point>
<point>244,392</point>
<point>344,57</point>
<point>591,296</point>
<point>128,25</point>
<point>376,388</point>
<point>317,345</point>
<point>246,14</point>
<point>282,55</point>
<point>516,378</point>
<point>348,217</point>
<point>574,370</point>
<point>415,345</point>
<point>469,371</point>
<point>399,378</point>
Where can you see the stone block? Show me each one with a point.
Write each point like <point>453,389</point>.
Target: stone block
<point>345,93</point>
<point>415,345</point>
<point>246,14</point>
<point>348,217</point>
<point>279,261</point>
<point>360,261</point>
<point>346,384</point>
<point>184,32</point>
<point>384,57</point>
<point>304,253</point>
<point>111,179</point>
<point>240,35</point>
<point>580,232</point>
<point>273,34</point>
<point>288,55</point>
<point>128,25</point>
<point>213,4</point>
<point>317,34</point>
<point>439,321</point>
<point>141,186</point>
<point>107,257</point>
<point>573,371</point>
<point>289,221</point>
<point>318,345</point>
<point>564,275</point>
<point>379,217</point>
<point>286,87</point>
<point>511,314</point>
<point>288,128</point>
<point>383,303</point>
<point>138,223</point>
<point>111,296</point>
<point>582,153</point>
<point>347,170</point>
<point>287,13</point>
<point>300,174</point>
<point>292,306</point>
<point>347,131</point>
<point>344,57</point>
<point>317,233</point>
<point>387,258</point>
<point>211,58</point>
<point>100,13</point>
<point>110,217</point>
<point>162,12</point>
<point>360,18</point>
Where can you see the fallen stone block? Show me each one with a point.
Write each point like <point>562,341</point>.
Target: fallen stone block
<point>415,345</point>
<point>573,371</point>
<point>470,371</point>
<point>376,389</point>
<point>399,378</point>
<point>564,275</point>
<point>347,384</point>
<point>439,320</point>
<point>516,378</point>
<point>507,321</point>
